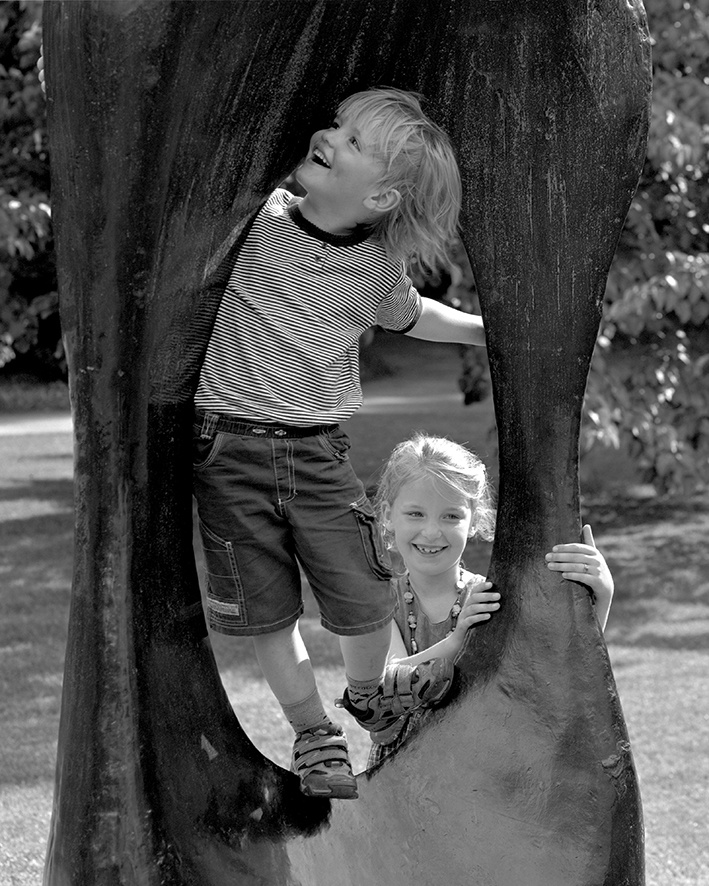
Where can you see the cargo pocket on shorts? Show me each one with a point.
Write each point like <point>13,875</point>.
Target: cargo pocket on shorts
<point>372,541</point>
<point>226,605</point>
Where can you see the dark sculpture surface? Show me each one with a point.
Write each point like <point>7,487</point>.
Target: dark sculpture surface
<point>170,122</point>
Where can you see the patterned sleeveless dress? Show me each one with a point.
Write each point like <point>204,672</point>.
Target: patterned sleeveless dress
<point>425,634</point>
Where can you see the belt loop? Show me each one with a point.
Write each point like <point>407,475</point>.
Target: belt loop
<point>209,422</point>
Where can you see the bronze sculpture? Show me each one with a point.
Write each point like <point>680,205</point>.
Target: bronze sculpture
<point>170,123</point>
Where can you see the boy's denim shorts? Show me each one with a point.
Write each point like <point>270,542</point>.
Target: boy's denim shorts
<point>268,500</point>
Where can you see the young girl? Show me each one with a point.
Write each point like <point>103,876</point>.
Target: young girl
<point>272,479</point>
<point>434,496</point>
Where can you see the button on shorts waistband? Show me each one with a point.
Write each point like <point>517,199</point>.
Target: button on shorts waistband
<point>211,422</point>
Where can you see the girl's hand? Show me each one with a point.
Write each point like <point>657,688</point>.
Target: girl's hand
<point>479,606</point>
<point>584,563</point>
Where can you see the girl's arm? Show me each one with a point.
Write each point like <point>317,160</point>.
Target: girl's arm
<point>478,607</point>
<point>442,323</point>
<point>586,564</point>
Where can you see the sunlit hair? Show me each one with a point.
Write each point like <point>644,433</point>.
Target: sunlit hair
<point>420,163</point>
<point>452,467</point>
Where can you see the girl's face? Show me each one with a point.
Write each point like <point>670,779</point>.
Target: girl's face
<point>431,526</point>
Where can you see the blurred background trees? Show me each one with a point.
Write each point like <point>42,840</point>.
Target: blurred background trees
<point>649,384</point>
<point>29,323</point>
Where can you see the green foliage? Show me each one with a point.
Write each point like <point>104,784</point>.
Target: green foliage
<point>648,383</point>
<point>28,298</point>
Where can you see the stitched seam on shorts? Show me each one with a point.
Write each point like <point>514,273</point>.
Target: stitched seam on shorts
<point>326,442</point>
<point>290,472</point>
<point>357,630</point>
<point>366,523</point>
<point>247,630</point>
<point>217,446</point>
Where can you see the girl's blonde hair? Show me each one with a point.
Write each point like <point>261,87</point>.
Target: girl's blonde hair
<point>420,163</point>
<point>447,463</point>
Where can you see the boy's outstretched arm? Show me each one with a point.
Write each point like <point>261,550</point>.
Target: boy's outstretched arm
<point>442,323</point>
<point>584,563</point>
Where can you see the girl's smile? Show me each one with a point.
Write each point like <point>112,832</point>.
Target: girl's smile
<point>431,524</point>
<point>426,551</point>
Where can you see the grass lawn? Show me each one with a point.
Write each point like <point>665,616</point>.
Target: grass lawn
<point>658,632</point>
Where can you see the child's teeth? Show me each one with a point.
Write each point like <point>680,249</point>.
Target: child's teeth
<point>320,157</point>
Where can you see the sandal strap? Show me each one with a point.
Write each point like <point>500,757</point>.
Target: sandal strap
<point>400,694</point>
<point>313,750</point>
<point>397,690</point>
<point>405,688</point>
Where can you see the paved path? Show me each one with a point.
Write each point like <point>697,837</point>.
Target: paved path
<point>35,423</point>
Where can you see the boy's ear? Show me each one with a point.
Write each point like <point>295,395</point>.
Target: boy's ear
<point>384,202</point>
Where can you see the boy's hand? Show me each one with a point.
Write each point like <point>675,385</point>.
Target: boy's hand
<point>479,606</point>
<point>583,562</point>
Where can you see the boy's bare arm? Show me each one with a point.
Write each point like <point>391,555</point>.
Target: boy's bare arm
<point>442,323</point>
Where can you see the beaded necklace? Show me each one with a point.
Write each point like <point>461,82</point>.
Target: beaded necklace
<point>412,619</point>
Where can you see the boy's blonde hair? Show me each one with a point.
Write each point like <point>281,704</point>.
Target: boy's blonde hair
<point>420,163</point>
<point>447,463</point>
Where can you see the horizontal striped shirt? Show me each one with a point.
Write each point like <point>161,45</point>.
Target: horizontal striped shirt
<point>285,343</point>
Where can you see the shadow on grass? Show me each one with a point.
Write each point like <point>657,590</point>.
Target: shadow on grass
<point>55,491</point>
<point>36,567</point>
<point>658,554</point>
<point>621,510</point>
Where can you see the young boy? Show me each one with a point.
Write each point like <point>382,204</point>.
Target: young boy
<point>273,482</point>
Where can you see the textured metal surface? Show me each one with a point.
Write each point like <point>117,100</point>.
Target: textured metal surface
<point>170,122</point>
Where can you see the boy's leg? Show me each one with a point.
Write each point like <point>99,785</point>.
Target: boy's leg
<point>254,585</point>
<point>365,658</point>
<point>320,757</point>
<point>365,655</point>
<point>285,664</point>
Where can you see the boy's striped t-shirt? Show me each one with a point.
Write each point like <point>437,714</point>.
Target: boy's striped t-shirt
<point>285,344</point>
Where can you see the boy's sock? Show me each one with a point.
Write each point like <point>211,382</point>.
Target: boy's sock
<point>359,691</point>
<point>308,714</point>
